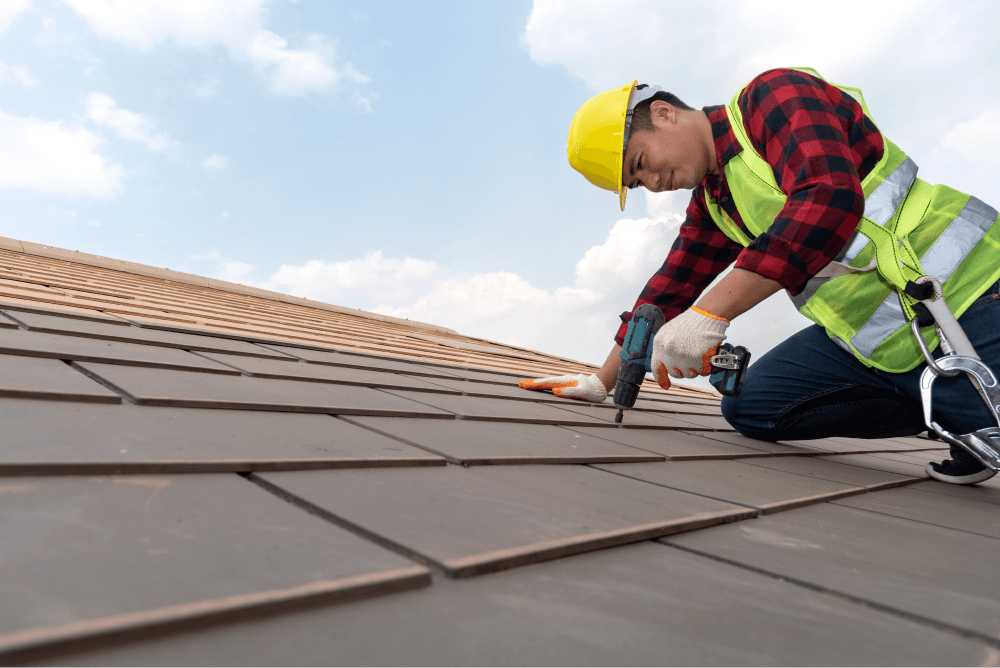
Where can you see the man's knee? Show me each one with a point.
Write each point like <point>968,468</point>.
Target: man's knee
<point>738,412</point>
<point>731,410</point>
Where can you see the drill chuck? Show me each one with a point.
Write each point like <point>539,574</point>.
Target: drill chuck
<point>630,376</point>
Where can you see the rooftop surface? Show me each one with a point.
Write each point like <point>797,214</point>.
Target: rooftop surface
<point>193,472</point>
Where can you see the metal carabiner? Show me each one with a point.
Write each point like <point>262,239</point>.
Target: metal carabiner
<point>931,362</point>
<point>983,444</point>
<point>959,356</point>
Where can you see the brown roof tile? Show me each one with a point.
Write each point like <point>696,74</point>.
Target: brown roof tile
<point>352,485</point>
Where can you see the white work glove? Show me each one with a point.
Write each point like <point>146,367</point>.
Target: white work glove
<point>584,388</point>
<point>683,348</point>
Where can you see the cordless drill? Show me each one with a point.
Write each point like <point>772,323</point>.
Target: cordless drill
<point>729,364</point>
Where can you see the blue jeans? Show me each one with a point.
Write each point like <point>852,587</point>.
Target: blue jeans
<point>809,387</point>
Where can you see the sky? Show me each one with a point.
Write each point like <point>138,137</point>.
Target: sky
<point>410,158</point>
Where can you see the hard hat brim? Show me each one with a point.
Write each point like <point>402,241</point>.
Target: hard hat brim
<point>622,190</point>
<point>596,143</point>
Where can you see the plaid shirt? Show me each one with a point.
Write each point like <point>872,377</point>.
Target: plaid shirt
<point>820,145</point>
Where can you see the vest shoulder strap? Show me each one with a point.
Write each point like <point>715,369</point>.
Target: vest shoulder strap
<point>725,223</point>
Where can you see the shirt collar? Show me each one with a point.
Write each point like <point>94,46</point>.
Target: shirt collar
<point>726,144</point>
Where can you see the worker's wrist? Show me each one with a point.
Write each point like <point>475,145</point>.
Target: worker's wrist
<point>608,379</point>
<point>736,293</point>
<point>701,311</point>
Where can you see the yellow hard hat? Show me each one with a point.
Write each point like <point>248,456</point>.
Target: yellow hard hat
<point>596,142</point>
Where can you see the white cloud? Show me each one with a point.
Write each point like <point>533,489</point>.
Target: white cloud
<point>53,157</point>
<point>196,23</point>
<point>630,250</point>
<point>363,100</point>
<point>294,72</point>
<point>708,44</point>
<point>228,269</point>
<point>128,125</point>
<point>577,321</point>
<point>215,162</point>
<point>235,24</point>
<point>976,141</point>
<point>207,88</point>
<point>666,204</point>
<point>19,74</point>
<point>357,283</point>
<point>967,156</point>
<point>10,11</point>
<point>910,58</point>
<point>369,279</point>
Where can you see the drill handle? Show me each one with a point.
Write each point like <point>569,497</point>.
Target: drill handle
<point>638,344</point>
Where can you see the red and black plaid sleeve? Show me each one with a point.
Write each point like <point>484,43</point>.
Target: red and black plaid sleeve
<point>820,145</point>
<point>699,254</point>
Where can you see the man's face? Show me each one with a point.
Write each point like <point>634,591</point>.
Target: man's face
<point>671,157</point>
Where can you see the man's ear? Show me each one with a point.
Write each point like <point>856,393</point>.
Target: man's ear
<point>662,114</point>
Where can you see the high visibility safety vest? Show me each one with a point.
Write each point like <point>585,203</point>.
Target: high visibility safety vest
<point>910,228</point>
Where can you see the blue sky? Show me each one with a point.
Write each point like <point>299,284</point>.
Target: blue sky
<point>447,155</point>
<point>410,158</point>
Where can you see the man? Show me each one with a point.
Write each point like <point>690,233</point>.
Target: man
<point>793,182</point>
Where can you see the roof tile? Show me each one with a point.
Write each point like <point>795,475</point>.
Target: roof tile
<point>475,443</point>
<point>36,378</point>
<point>487,518</point>
<point>217,544</point>
<point>764,489</point>
<point>160,387</point>
<point>33,344</point>
<point>925,571</point>
<point>62,437</point>
<point>113,332</point>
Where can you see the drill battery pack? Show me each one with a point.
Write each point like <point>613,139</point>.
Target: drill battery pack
<point>729,366</point>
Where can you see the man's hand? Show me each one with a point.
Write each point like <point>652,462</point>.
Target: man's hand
<point>584,388</point>
<point>683,347</point>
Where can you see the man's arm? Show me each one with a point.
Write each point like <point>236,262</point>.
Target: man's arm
<point>819,145</point>
<point>699,254</point>
<point>609,371</point>
<point>735,294</point>
<point>738,292</point>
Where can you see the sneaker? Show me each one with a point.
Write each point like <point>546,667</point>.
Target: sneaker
<point>961,469</point>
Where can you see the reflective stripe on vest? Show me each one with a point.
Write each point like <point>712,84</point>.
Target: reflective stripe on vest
<point>941,261</point>
<point>883,202</point>
<point>879,207</point>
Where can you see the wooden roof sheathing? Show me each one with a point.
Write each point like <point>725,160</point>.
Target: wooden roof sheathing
<point>161,299</point>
